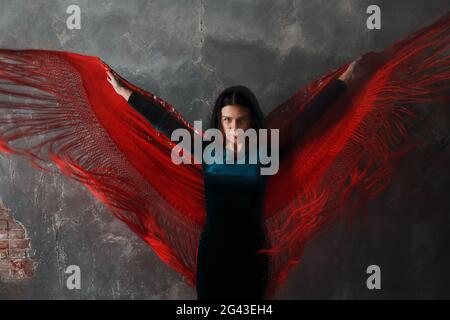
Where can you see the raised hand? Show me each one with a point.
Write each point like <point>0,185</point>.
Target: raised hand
<point>118,86</point>
<point>362,66</point>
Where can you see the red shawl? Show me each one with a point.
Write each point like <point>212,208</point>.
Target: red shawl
<point>62,106</point>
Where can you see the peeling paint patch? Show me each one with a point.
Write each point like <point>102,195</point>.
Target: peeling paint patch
<point>15,263</point>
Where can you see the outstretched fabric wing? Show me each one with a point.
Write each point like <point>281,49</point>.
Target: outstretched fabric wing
<point>59,111</point>
<point>352,151</point>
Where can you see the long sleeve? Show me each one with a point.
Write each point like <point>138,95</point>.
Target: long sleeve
<point>312,112</point>
<point>155,114</point>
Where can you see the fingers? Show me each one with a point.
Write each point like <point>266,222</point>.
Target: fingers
<point>110,77</point>
<point>352,65</point>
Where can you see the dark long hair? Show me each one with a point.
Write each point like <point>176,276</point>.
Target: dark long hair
<point>240,95</point>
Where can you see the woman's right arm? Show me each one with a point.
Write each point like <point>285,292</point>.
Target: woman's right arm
<point>154,113</point>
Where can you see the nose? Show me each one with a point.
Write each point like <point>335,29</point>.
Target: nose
<point>233,125</point>
<point>232,132</point>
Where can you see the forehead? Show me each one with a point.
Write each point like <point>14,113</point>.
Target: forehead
<point>235,110</point>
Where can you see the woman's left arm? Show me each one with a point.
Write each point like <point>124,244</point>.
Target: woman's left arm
<point>318,106</point>
<point>320,103</point>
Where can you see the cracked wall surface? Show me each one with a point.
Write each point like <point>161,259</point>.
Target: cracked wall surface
<point>15,261</point>
<point>186,52</point>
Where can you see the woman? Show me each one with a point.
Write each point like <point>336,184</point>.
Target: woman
<point>228,265</point>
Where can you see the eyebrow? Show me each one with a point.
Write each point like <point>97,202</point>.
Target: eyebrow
<point>244,116</point>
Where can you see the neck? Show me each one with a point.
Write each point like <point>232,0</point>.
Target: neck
<point>235,148</point>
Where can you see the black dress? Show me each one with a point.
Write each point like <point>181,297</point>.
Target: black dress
<point>228,265</point>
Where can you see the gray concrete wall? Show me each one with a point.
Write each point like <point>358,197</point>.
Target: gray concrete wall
<point>187,52</point>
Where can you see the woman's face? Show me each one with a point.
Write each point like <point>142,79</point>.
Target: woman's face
<point>235,117</point>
